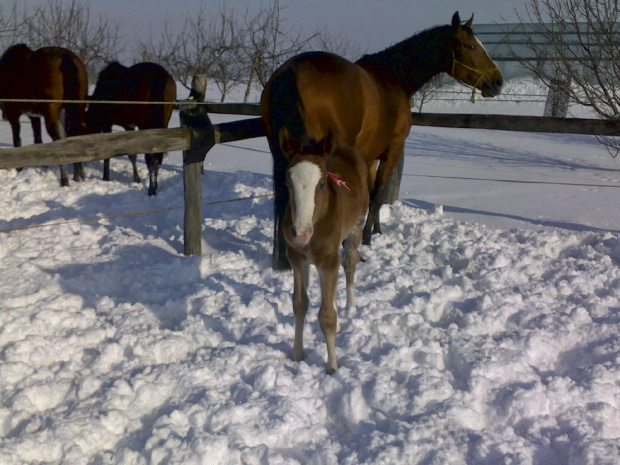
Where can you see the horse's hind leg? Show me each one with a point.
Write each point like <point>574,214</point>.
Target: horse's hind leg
<point>301,274</point>
<point>35,121</point>
<point>153,162</point>
<point>56,132</point>
<point>136,176</point>
<point>328,315</point>
<point>376,194</point>
<point>106,169</point>
<point>350,259</point>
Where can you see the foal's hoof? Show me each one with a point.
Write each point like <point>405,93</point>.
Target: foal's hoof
<point>64,183</point>
<point>137,180</point>
<point>330,370</point>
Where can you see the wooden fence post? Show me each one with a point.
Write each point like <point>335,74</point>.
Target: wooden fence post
<point>202,139</point>
<point>199,87</point>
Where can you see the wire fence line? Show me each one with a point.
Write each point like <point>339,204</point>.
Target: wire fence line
<point>124,215</point>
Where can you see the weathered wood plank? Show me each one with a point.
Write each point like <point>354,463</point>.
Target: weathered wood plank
<point>96,147</point>
<point>519,123</point>
<point>192,230</point>
<point>238,130</point>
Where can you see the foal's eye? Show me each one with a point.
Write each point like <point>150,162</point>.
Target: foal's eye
<point>471,47</point>
<point>322,185</point>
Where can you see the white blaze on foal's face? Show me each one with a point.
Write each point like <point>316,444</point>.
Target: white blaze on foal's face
<point>303,179</point>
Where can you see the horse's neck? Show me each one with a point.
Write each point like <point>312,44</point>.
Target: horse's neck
<point>414,61</point>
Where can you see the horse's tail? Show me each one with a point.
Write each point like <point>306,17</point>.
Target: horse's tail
<point>163,89</point>
<point>74,85</point>
<point>286,111</point>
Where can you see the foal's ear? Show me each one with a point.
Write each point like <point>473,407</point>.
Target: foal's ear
<point>328,143</point>
<point>288,144</point>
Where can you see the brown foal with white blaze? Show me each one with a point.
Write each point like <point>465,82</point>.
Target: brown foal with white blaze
<point>327,207</point>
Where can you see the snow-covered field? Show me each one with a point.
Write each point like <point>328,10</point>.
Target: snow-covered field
<point>486,329</point>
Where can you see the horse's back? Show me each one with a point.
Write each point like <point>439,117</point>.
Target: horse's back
<point>338,95</point>
<point>142,82</point>
<point>57,73</point>
<point>327,95</point>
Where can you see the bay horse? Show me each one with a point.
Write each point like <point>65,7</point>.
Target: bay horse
<point>366,103</point>
<point>142,82</point>
<point>327,206</point>
<point>53,74</point>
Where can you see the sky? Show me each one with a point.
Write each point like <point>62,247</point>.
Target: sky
<point>373,24</point>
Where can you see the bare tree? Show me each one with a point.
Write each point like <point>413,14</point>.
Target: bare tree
<point>72,24</point>
<point>268,43</point>
<point>578,42</point>
<point>203,40</point>
<point>338,44</point>
<point>427,92</point>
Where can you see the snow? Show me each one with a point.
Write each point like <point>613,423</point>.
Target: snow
<point>485,331</point>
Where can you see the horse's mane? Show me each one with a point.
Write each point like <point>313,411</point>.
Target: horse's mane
<point>413,61</point>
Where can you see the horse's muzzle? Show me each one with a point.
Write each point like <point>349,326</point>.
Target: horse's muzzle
<point>302,238</point>
<point>492,86</point>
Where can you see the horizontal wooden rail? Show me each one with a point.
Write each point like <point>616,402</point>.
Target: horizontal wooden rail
<point>95,147</point>
<point>101,146</point>
<point>520,123</point>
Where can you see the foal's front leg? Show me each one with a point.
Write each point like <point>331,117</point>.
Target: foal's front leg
<point>301,273</point>
<point>328,315</point>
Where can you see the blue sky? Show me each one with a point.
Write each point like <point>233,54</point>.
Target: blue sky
<point>374,24</point>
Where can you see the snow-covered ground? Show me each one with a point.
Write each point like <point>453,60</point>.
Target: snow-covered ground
<point>486,329</point>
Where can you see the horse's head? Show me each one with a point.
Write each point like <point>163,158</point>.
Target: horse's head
<point>471,63</point>
<point>306,180</point>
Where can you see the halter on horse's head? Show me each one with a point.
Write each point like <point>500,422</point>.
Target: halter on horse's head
<point>471,64</point>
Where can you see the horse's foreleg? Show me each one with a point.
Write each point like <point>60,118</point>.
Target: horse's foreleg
<point>328,314</point>
<point>153,162</point>
<point>301,273</point>
<point>351,257</point>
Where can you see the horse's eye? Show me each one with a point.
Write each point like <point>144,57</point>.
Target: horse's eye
<point>322,186</point>
<point>471,47</point>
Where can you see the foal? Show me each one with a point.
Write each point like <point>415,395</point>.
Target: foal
<point>327,206</point>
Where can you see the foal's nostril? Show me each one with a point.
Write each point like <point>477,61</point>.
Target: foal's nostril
<point>294,231</point>
<point>499,83</point>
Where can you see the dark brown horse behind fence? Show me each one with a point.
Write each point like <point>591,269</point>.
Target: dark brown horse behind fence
<point>327,207</point>
<point>52,74</point>
<point>366,104</point>
<point>142,82</point>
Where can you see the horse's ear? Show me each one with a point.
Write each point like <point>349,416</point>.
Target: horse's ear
<point>456,20</point>
<point>328,143</point>
<point>288,143</point>
<point>470,21</point>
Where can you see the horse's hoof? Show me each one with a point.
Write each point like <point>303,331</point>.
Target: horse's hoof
<point>64,183</point>
<point>152,192</point>
<point>136,180</point>
<point>330,370</point>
